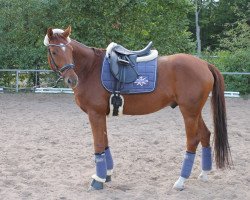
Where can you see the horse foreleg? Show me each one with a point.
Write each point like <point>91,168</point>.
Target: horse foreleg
<point>206,160</point>
<point>99,130</point>
<point>191,125</point>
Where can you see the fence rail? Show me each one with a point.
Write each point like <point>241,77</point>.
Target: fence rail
<point>236,73</point>
<point>21,71</point>
<point>54,90</point>
<point>17,72</point>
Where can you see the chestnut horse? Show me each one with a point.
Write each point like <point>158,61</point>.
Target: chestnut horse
<point>182,80</point>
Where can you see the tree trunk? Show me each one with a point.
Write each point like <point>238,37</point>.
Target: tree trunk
<point>198,39</point>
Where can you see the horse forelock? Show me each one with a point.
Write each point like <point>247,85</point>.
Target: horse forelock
<point>55,31</point>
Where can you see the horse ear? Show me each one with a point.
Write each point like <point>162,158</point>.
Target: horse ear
<point>67,32</point>
<point>49,33</point>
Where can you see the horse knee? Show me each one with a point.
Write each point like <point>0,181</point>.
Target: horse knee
<point>192,145</point>
<point>99,148</point>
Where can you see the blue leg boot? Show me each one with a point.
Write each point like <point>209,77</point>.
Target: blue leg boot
<point>206,163</point>
<point>185,170</point>
<point>206,159</point>
<point>187,164</point>
<point>101,172</point>
<point>110,164</point>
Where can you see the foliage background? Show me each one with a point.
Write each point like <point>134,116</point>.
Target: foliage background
<point>133,23</point>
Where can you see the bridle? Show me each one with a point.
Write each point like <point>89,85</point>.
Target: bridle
<point>65,67</point>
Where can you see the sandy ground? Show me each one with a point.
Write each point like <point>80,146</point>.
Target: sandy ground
<point>46,152</point>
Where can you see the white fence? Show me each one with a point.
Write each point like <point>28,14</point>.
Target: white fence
<point>54,90</point>
<point>17,73</point>
<point>39,89</point>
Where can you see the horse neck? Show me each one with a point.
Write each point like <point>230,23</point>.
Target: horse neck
<point>87,60</point>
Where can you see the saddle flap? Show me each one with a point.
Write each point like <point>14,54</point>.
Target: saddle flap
<point>122,68</point>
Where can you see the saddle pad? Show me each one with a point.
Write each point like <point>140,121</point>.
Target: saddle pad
<point>145,83</point>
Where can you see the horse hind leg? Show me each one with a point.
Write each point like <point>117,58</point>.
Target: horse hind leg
<point>191,126</point>
<point>206,159</point>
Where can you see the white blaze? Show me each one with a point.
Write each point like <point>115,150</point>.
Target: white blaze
<point>63,47</point>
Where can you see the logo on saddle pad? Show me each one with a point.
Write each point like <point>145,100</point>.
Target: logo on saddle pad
<point>141,81</point>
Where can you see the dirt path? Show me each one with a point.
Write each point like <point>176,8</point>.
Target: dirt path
<point>46,152</point>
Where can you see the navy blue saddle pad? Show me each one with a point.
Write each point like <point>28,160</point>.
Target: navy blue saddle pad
<point>145,82</point>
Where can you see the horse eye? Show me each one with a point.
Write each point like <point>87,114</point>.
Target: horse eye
<point>53,53</point>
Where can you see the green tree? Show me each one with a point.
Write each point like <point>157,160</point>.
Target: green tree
<point>20,33</point>
<point>233,56</point>
<point>216,17</point>
<point>132,23</point>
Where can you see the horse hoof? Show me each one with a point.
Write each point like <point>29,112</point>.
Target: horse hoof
<point>108,179</point>
<point>203,178</point>
<point>178,187</point>
<point>179,184</point>
<point>95,185</point>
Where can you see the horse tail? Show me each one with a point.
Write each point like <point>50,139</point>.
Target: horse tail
<point>221,146</point>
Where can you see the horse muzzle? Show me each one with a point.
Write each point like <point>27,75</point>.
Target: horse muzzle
<point>70,77</point>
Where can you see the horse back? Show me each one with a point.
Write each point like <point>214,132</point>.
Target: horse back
<point>186,75</point>
<point>185,67</point>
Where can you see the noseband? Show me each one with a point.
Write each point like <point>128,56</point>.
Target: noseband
<point>65,67</point>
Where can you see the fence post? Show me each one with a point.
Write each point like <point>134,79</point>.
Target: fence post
<point>17,80</point>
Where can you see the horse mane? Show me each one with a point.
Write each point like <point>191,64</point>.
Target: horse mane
<point>98,51</point>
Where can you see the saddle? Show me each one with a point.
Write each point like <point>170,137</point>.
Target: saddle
<point>123,62</point>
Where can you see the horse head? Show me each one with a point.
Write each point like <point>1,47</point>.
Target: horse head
<point>60,54</point>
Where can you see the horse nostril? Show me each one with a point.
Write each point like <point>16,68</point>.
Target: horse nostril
<point>69,81</point>
<point>72,82</point>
